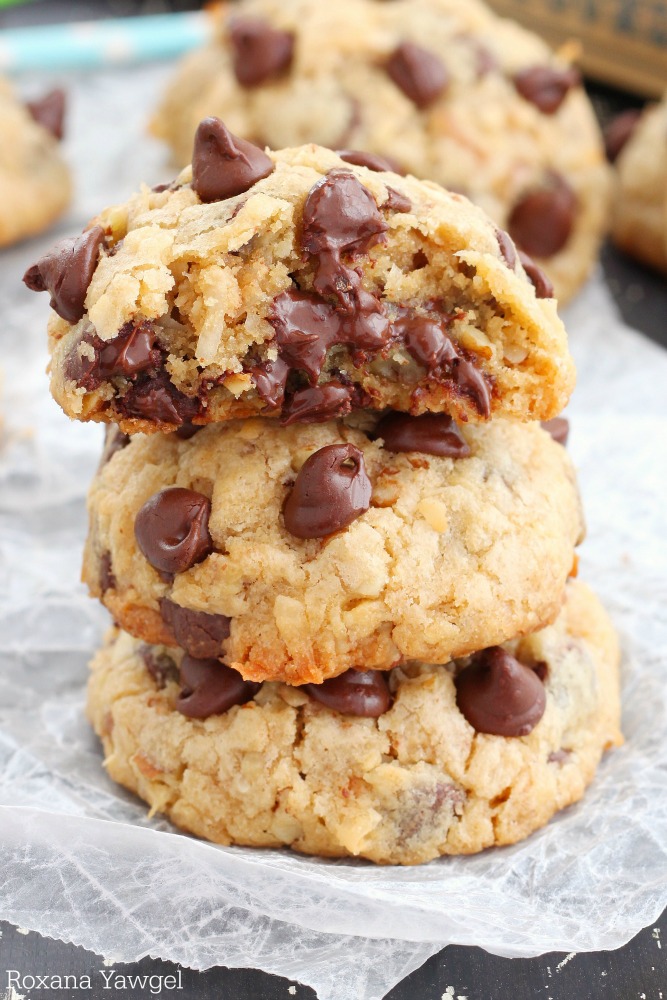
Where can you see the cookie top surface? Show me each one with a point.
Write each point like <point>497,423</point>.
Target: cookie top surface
<point>311,549</point>
<point>446,90</point>
<point>281,768</point>
<point>35,184</point>
<point>317,287</point>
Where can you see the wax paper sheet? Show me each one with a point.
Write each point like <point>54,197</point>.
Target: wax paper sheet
<point>80,861</point>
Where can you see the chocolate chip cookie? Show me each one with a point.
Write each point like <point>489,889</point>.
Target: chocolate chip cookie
<point>441,89</point>
<point>637,143</point>
<point>399,768</point>
<point>35,186</point>
<point>299,286</point>
<point>294,553</point>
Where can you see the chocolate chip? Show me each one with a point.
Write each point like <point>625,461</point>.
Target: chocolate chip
<point>427,340</point>
<point>107,578</point>
<point>197,632</point>
<point>160,666</point>
<point>261,52</point>
<point>80,366</point>
<point>171,529</point>
<point>208,687</point>
<point>131,352</point>
<point>318,403</point>
<point>543,286</point>
<point>66,271</point>
<point>546,86</point>
<point>499,695</point>
<point>507,248</point>
<point>340,216</point>
<point>396,201</point>
<point>363,693</point>
<point>472,383</point>
<point>558,756</point>
<point>372,161</point>
<point>270,380</point>
<point>366,326</point>
<point>541,221</point>
<point>187,431</point>
<point>559,428</point>
<point>49,111</point>
<point>618,132</point>
<point>158,400</point>
<point>331,491</point>
<point>430,433</point>
<point>114,440</point>
<point>223,165</point>
<point>306,327</point>
<point>542,670</point>
<point>419,73</point>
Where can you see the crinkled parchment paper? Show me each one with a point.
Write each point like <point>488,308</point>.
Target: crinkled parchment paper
<point>78,858</point>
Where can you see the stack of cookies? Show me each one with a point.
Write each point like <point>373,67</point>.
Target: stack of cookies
<point>336,542</point>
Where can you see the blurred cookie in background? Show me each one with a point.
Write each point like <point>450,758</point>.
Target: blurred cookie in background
<point>445,91</point>
<point>637,144</point>
<point>35,183</point>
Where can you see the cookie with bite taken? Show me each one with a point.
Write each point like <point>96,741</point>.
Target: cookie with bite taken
<point>300,286</point>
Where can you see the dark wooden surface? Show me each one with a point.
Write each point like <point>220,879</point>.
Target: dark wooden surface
<point>636,972</point>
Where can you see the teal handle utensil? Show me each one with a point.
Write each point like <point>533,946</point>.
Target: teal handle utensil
<point>95,44</point>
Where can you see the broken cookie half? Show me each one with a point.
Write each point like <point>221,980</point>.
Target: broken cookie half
<point>297,285</point>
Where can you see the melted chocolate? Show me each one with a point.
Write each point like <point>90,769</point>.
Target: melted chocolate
<point>427,340</point>
<point>340,216</point>
<point>157,399</point>
<point>318,403</point>
<point>430,433</point>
